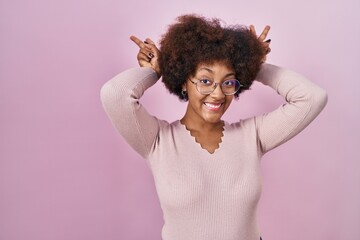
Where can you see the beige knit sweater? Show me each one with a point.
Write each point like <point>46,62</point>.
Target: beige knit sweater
<point>208,196</point>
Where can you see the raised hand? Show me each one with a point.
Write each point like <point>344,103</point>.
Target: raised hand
<point>262,37</point>
<point>148,55</point>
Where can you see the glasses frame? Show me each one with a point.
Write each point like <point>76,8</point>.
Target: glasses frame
<point>215,85</point>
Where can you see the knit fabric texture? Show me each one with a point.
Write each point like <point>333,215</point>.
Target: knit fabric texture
<point>210,196</point>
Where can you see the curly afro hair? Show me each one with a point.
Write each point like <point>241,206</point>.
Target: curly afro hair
<point>194,39</point>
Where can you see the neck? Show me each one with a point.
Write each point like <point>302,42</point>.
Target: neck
<point>200,125</point>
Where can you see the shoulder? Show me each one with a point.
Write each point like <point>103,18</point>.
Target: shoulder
<point>244,128</point>
<point>166,126</point>
<point>247,123</point>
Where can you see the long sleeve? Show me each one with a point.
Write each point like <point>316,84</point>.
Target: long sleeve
<point>120,98</point>
<point>304,101</point>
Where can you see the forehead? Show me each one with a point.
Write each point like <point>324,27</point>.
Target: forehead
<point>218,67</point>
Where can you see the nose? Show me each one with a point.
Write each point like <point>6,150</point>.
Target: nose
<point>218,93</point>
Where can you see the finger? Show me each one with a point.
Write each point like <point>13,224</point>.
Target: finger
<point>144,48</point>
<point>143,57</point>
<point>252,29</point>
<point>152,46</point>
<point>147,52</point>
<point>266,44</point>
<point>137,42</point>
<point>264,33</point>
<point>149,41</point>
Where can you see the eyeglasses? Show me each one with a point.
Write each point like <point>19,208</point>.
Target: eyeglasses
<point>228,87</point>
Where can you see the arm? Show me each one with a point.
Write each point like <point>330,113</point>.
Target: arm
<point>304,101</point>
<point>120,98</point>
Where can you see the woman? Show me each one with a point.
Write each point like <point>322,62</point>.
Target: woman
<point>207,171</point>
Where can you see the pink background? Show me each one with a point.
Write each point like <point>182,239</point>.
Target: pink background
<point>65,174</point>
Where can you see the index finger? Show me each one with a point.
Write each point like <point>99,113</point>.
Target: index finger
<point>137,41</point>
<point>264,33</point>
<point>252,29</point>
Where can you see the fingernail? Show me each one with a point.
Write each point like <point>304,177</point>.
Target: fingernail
<point>269,40</point>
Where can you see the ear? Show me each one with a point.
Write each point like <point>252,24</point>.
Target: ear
<point>184,86</point>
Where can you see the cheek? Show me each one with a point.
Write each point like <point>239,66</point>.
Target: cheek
<point>195,97</point>
<point>229,101</point>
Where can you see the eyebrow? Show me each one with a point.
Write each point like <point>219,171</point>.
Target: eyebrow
<point>211,71</point>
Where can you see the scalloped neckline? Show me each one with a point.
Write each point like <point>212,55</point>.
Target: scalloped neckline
<point>190,133</point>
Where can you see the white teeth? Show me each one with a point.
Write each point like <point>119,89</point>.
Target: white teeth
<point>214,106</point>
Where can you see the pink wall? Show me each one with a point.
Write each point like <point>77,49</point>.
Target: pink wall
<point>66,174</point>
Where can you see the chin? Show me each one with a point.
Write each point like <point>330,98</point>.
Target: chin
<point>212,119</point>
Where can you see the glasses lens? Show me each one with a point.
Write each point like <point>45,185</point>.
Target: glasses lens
<point>230,87</point>
<point>205,86</point>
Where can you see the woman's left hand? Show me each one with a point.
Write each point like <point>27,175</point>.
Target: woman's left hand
<point>261,38</point>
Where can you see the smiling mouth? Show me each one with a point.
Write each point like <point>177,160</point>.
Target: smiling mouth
<point>213,106</point>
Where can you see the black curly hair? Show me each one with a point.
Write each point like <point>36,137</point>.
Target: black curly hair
<point>193,39</point>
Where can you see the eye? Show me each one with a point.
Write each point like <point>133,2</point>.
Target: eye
<point>229,83</point>
<point>205,82</point>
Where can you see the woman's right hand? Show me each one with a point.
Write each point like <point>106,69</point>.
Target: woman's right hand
<point>148,55</point>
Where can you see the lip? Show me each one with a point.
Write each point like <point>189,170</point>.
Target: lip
<point>211,106</point>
